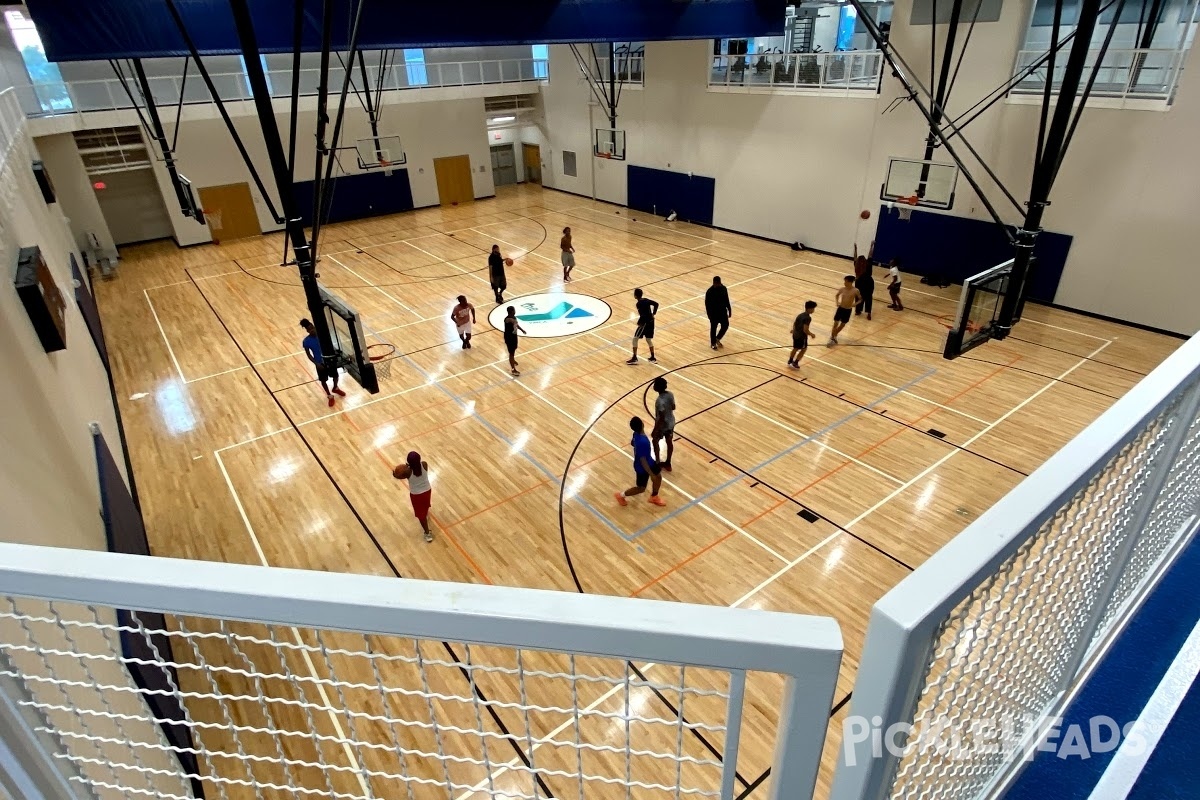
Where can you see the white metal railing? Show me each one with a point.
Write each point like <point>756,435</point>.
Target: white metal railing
<point>315,684</point>
<point>1150,74</point>
<point>849,71</point>
<point>107,93</point>
<point>630,69</point>
<point>968,656</point>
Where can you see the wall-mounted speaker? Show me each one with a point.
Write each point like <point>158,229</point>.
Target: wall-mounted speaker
<point>42,299</point>
<point>43,181</point>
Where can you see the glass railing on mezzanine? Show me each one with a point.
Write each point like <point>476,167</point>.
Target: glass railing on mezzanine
<point>1148,74</point>
<point>108,93</point>
<point>856,70</point>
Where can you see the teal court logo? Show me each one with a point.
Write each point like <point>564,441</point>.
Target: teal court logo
<point>549,315</point>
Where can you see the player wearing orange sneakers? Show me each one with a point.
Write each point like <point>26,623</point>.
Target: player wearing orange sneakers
<point>645,469</point>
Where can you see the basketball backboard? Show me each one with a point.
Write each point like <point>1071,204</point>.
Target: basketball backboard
<point>930,182</point>
<point>610,143</point>
<point>380,152</point>
<point>345,328</point>
<point>978,309</point>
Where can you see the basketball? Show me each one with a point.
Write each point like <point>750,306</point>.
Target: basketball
<point>865,214</point>
<point>399,472</point>
<point>508,262</point>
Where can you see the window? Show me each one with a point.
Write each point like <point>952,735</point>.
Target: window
<point>569,164</point>
<point>541,61</point>
<point>47,81</point>
<point>414,65</point>
<point>1143,61</point>
<point>266,74</point>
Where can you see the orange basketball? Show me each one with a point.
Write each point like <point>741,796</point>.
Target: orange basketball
<point>508,262</point>
<point>865,214</point>
<point>399,472</point>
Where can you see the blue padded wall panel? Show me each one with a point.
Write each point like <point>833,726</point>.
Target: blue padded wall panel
<point>659,191</point>
<point>958,247</point>
<point>79,30</point>
<point>358,196</point>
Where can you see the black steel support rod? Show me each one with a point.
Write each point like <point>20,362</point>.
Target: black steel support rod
<point>216,97</point>
<point>939,98</point>
<point>894,62</point>
<point>160,135</point>
<point>279,166</point>
<point>1046,165</point>
<point>322,117</point>
<point>362,66</point>
<point>347,79</point>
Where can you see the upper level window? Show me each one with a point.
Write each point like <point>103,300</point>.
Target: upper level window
<point>414,65</point>
<point>1143,60</point>
<point>823,46</point>
<point>541,61</point>
<point>47,82</point>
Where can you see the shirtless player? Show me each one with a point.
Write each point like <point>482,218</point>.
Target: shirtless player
<point>847,298</point>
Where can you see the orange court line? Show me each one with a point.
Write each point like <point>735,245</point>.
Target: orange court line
<point>460,549</point>
<point>683,563</point>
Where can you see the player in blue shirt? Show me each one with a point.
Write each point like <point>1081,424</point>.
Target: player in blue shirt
<point>645,469</point>
<point>312,349</point>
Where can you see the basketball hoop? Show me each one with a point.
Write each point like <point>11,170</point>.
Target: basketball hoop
<point>384,163</point>
<point>912,200</point>
<point>379,355</point>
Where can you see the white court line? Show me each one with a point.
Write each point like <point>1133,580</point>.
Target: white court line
<point>451,263</point>
<point>611,324</point>
<point>788,428</point>
<point>876,381</point>
<point>1138,745</point>
<point>166,341</point>
<point>479,787</point>
<point>673,485</point>
<point>205,278</point>
<point>312,671</point>
<point>369,285</point>
<point>631,221</point>
<point>217,374</point>
<point>528,252</point>
<point>904,486</point>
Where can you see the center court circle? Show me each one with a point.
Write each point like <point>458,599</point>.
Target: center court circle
<point>544,316</point>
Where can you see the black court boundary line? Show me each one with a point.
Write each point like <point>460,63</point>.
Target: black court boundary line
<point>754,784</point>
<point>378,546</point>
<point>747,473</point>
<point>996,364</point>
<point>804,382</point>
<point>562,484</point>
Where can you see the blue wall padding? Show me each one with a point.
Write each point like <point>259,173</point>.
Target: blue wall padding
<point>958,247</point>
<point>75,30</point>
<point>660,191</point>
<point>359,196</point>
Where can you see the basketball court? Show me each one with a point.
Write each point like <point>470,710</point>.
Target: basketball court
<point>811,491</point>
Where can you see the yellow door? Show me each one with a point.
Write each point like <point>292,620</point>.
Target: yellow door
<point>453,175</point>
<point>532,156</point>
<point>229,211</point>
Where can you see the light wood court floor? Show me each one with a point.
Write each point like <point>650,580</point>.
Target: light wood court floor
<point>810,491</point>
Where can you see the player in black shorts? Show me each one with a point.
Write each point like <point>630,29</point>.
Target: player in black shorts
<point>801,333</point>
<point>511,326</point>
<point>646,309</point>
<point>847,298</point>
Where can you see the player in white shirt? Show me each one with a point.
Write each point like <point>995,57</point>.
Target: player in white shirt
<point>894,286</point>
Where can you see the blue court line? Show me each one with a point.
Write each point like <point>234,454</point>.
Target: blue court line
<point>701,498</point>
<point>500,435</point>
